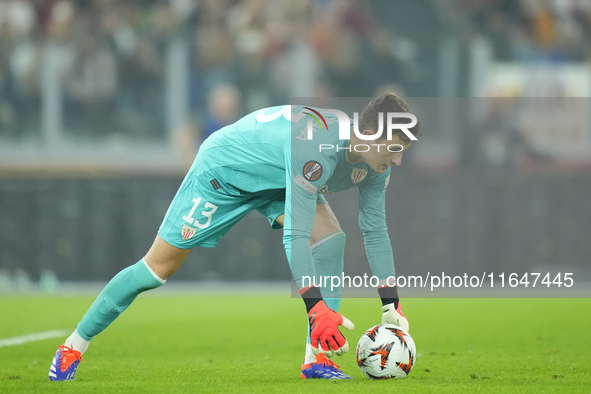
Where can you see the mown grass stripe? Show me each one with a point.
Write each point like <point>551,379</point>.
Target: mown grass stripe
<point>32,337</point>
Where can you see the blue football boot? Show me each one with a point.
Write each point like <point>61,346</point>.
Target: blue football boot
<point>323,368</point>
<point>64,364</point>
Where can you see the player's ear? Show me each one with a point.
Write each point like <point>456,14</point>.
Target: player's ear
<point>368,132</point>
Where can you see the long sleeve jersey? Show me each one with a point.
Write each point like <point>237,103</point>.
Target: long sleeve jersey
<point>271,149</point>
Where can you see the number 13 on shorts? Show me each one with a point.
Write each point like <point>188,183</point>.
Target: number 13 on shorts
<point>207,213</point>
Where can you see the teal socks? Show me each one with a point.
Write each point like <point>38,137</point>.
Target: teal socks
<point>116,297</point>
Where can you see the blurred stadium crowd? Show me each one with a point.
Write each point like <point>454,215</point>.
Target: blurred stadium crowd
<point>242,55</point>
<point>96,93</point>
<point>112,53</point>
<point>529,30</point>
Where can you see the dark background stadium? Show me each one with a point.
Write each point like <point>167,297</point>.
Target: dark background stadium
<point>103,105</point>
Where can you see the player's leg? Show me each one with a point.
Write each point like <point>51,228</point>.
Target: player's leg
<point>328,249</point>
<point>327,242</point>
<point>161,261</point>
<point>199,215</point>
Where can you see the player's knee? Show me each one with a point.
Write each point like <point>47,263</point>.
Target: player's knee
<point>163,259</point>
<point>137,279</point>
<point>333,245</point>
<point>162,268</point>
<point>145,278</point>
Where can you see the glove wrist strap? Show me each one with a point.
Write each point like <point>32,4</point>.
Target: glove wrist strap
<point>389,295</point>
<point>311,297</point>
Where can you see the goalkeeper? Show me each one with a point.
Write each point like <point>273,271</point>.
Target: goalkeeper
<point>256,164</point>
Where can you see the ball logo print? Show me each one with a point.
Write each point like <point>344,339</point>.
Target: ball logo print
<point>382,351</point>
<point>360,362</point>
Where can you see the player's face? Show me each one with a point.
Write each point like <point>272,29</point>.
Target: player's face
<point>380,158</point>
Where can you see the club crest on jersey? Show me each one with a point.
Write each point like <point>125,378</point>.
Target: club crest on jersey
<point>358,174</point>
<point>187,232</point>
<point>312,170</point>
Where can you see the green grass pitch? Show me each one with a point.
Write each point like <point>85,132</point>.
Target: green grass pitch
<point>250,343</point>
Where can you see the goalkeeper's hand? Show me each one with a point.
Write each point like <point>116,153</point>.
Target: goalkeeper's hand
<point>393,315</point>
<point>324,329</point>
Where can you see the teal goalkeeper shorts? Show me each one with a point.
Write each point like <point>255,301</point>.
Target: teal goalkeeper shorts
<point>205,209</point>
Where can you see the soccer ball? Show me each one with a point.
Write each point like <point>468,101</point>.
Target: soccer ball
<point>386,351</point>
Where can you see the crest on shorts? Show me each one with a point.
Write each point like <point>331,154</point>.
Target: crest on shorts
<point>312,170</point>
<point>358,174</point>
<point>187,232</point>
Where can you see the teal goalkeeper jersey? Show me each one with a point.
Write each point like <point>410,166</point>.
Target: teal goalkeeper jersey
<point>270,149</point>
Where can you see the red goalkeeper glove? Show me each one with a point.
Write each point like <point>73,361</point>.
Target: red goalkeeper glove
<point>324,325</point>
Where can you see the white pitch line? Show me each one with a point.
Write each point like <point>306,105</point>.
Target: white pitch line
<point>32,337</point>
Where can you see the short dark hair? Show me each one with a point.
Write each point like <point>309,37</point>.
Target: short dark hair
<point>387,102</point>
